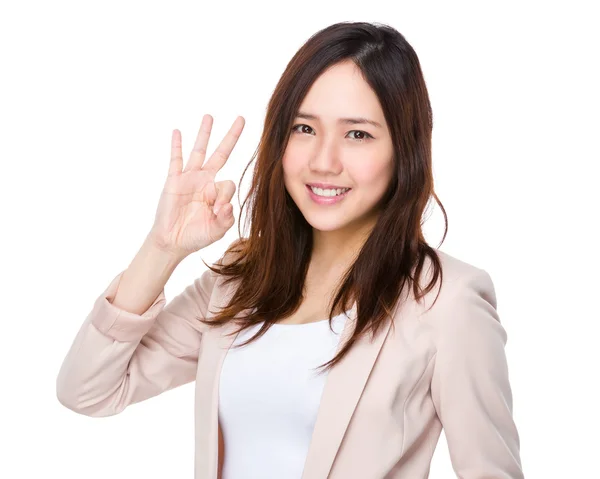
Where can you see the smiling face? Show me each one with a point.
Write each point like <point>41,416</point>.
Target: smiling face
<point>325,148</point>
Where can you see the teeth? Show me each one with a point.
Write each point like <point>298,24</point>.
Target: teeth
<point>321,192</point>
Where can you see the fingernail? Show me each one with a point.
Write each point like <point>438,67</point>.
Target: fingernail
<point>216,209</point>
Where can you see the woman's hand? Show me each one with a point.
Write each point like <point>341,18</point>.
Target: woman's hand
<point>194,211</point>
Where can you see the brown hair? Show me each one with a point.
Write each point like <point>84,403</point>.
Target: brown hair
<point>272,263</point>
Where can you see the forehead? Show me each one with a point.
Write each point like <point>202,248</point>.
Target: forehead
<point>341,91</point>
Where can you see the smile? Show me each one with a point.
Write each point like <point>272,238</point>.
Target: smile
<point>327,197</point>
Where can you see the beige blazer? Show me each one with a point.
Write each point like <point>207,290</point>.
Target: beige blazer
<point>383,406</point>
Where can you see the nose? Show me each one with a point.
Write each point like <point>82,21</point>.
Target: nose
<point>325,159</point>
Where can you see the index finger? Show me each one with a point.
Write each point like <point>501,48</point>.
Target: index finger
<point>221,154</point>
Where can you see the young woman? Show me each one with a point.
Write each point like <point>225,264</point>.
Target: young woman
<point>333,341</point>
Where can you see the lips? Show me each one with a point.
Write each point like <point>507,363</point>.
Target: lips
<point>326,200</point>
<point>326,186</point>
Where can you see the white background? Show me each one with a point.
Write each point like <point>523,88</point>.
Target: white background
<point>90,94</point>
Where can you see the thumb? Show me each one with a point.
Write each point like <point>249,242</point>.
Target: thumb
<point>225,214</point>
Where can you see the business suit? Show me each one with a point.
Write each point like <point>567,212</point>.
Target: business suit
<point>383,406</point>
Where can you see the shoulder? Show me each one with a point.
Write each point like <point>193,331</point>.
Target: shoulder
<point>463,286</point>
<point>464,317</point>
<point>456,269</point>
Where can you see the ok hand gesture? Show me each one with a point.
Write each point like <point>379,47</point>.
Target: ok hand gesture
<point>194,211</point>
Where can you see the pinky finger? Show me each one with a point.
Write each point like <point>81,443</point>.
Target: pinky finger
<point>176,163</point>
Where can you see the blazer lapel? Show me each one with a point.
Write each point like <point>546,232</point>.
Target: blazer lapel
<point>343,387</point>
<point>215,347</point>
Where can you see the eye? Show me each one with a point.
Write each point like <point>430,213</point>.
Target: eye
<point>367,136</point>
<point>301,129</point>
<point>363,134</point>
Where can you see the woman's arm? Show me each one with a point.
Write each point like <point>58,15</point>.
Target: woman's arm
<point>120,357</point>
<point>470,385</point>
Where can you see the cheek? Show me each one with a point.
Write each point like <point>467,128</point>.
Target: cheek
<point>371,166</point>
<point>292,163</point>
<point>291,169</point>
<point>372,174</point>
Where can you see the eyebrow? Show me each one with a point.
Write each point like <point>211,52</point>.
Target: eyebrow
<point>347,121</point>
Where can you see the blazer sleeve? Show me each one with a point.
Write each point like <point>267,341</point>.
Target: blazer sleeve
<point>119,358</point>
<point>470,384</point>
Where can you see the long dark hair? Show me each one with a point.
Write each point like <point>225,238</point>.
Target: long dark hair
<point>271,264</point>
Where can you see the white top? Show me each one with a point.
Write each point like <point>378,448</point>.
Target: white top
<point>269,397</point>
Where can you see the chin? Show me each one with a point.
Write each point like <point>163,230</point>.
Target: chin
<point>324,222</point>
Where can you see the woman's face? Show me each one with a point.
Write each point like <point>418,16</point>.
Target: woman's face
<point>325,148</point>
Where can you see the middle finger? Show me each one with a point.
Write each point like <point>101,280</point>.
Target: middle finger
<point>199,151</point>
